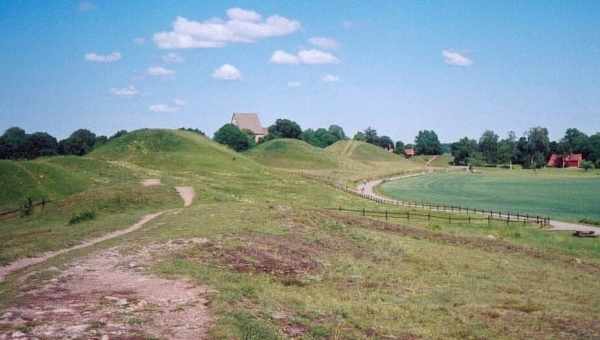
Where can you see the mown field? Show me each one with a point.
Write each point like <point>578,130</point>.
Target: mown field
<point>561,194</point>
<point>280,265</point>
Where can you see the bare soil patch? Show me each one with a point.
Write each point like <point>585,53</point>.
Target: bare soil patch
<point>287,259</point>
<point>187,194</point>
<point>107,296</point>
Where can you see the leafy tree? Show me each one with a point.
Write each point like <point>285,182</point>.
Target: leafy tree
<point>360,136</point>
<point>42,144</point>
<point>488,146</point>
<point>577,142</point>
<point>399,148</point>
<point>285,128</point>
<point>320,138</point>
<point>79,143</point>
<point>538,147</point>
<point>521,153</point>
<point>371,136</point>
<point>337,131</point>
<point>427,143</point>
<point>594,148</point>
<point>385,142</point>
<point>15,143</point>
<point>506,148</point>
<point>233,137</point>
<point>464,150</point>
<point>198,131</point>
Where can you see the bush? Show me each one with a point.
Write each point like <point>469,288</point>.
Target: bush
<point>82,217</point>
<point>587,165</point>
<point>233,137</point>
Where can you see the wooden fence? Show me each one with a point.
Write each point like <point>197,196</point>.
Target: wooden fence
<point>507,216</point>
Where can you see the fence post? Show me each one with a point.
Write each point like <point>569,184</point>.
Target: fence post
<point>469,218</point>
<point>408,215</point>
<point>386,215</point>
<point>363,211</point>
<point>429,216</point>
<point>489,220</point>
<point>450,219</point>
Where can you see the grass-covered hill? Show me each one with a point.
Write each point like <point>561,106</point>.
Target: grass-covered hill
<point>441,161</point>
<point>292,154</point>
<point>174,151</point>
<point>363,152</point>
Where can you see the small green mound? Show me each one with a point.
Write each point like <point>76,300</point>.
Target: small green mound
<point>37,180</point>
<point>292,154</point>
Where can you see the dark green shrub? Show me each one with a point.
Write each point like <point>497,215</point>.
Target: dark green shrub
<point>82,217</point>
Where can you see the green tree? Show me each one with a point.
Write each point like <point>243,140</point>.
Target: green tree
<point>233,137</point>
<point>577,141</point>
<point>538,147</point>
<point>399,149</point>
<point>386,142</point>
<point>42,144</point>
<point>427,143</point>
<point>463,151</point>
<point>488,146</point>
<point>15,143</point>
<point>337,131</point>
<point>79,143</point>
<point>360,136</point>
<point>118,134</point>
<point>371,136</point>
<point>506,148</point>
<point>594,148</point>
<point>285,128</point>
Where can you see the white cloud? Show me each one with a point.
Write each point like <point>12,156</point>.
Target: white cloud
<point>128,91</point>
<point>158,71</point>
<point>99,58</point>
<point>322,42</point>
<point>282,57</point>
<point>86,6</point>
<point>294,84</point>
<point>164,108</point>
<point>139,41</point>
<point>455,58</point>
<point>330,78</point>
<point>304,57</point>
<point>227,72</point>
<point>178,104</point>
<point>240,26</point>
<point>172,58</point>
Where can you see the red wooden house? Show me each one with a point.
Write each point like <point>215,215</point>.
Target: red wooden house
<point>569,161</point>
<point>409,152</point>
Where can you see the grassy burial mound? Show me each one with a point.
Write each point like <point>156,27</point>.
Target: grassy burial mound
<point>174,151</point>
<point>363,152</point>
<point>292,154</point>
<point>562,195</point>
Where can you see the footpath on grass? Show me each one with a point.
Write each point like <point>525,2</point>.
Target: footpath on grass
<point>186,193</point>
<point>367,190</point>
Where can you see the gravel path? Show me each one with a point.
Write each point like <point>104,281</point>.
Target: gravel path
<point>368,188</point>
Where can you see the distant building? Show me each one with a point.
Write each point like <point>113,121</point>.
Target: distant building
<point>409,152</point>
<point>569,161</point>
<point>249,122</point>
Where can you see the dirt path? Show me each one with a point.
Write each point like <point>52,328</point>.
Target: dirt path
<point>107,296</point>
<point>433,158</point>
<point>150,182</point>
<point>26,262</point>
<point>368,189</point>
<point>187,194</point>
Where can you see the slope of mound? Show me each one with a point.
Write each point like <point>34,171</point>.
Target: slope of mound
<point>362,151</point>
<point>173,150</point>
<point>292,154</point>
<point>440,161</point>
<point>20,180</point>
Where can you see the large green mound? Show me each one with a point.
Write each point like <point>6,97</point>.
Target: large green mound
<point>292,154</point>
<point>173,150</point>
<point>361,151</point>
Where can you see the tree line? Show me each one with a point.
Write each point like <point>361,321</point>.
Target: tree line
<point>532,150</point>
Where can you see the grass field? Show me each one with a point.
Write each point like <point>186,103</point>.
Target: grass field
<point>279,264</point>
<point>560,194</point>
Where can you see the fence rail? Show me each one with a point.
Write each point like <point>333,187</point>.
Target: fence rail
<point>488,214</point>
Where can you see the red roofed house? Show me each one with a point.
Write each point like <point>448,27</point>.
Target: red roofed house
<point>409,152</point>
<point>569,161</point>
<point>249,122</point>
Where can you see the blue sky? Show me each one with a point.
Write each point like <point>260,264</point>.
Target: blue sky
<point>458,67</point>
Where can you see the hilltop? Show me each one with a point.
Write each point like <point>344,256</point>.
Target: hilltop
<point>292,154</point>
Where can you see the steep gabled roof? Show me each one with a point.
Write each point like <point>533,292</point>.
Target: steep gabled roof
<point>248,121</point>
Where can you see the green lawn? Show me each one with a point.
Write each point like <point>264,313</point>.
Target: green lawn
<point>560,194</point>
